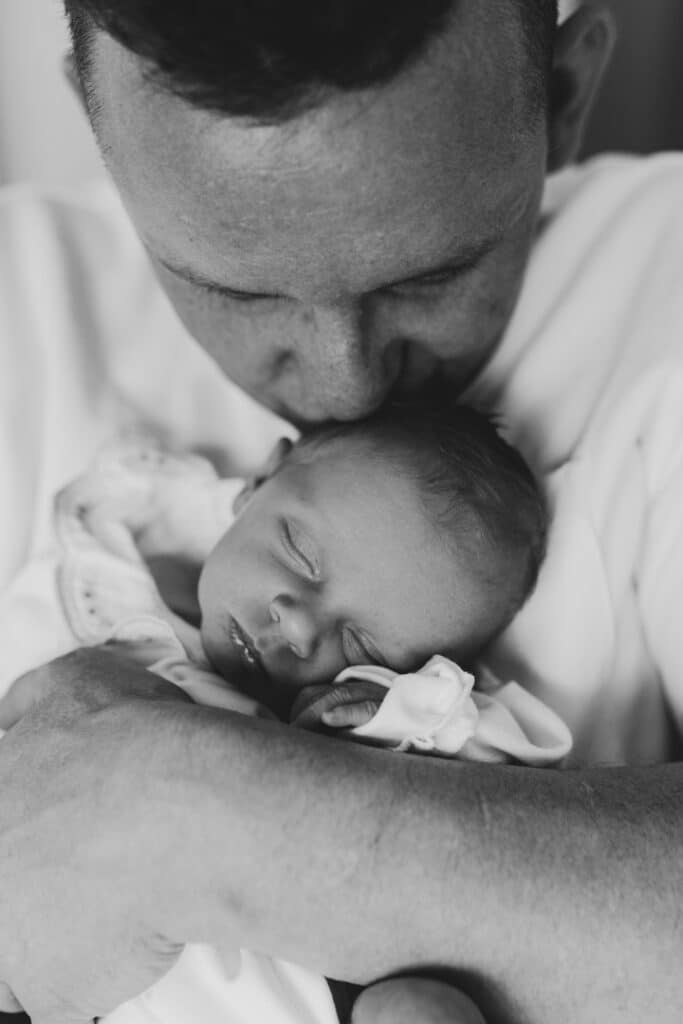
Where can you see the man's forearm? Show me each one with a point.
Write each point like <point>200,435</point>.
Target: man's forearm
<point>143,822</point>
<point>557,893</point>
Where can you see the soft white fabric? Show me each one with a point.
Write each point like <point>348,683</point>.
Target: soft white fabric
<point>197,991</point>
<point>136,500</point>
<point>589,379</point>
<point>436,710</point>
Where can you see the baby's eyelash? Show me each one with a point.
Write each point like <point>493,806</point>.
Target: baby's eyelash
<point>354,651</point>
<point>358,650</point>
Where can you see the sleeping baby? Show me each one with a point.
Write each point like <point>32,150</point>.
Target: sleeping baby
<point>350,587</point>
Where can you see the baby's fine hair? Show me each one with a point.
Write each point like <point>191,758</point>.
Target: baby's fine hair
<point>477,489</point>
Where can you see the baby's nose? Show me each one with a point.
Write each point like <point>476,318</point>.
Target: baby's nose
<point>296,625</point>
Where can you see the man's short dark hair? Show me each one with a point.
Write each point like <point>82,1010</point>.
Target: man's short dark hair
<point>271,59</point>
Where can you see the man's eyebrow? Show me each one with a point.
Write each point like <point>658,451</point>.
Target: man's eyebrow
<point>462,261</point>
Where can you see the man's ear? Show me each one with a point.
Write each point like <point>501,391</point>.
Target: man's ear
<point>73,78</point>
<point>277,456</point>
<point>583,47</point>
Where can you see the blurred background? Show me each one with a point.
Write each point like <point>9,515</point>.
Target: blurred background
<point>44,138</point>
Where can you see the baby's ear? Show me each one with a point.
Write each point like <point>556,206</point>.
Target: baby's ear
<point>277,456</point>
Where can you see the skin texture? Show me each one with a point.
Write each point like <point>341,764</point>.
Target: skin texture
<point>555,858</point>
<point>581,871</point>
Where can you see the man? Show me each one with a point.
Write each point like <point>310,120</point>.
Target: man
<point>339,209</point>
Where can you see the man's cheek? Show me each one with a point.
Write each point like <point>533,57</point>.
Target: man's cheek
<point>251,351</point>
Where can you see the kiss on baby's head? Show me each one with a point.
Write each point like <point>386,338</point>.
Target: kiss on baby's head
<point>416,531</point>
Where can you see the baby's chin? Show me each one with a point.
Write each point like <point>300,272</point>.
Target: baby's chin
<point>277,684</point>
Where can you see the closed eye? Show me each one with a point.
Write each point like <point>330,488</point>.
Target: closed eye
<point>301,550</point>
<point>238,296</point>
<point>443,275</point>
<point>431,280</point>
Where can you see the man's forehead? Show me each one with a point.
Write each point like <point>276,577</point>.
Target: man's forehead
<point>357,174</point>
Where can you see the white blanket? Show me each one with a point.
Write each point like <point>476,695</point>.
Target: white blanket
<point>589,382</point>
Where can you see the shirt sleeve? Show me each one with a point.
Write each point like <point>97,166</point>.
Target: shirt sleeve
<point>33,626</point>
<point>61,272</point>
<point>660,576</point>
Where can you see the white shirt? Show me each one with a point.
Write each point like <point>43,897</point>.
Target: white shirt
<point>588,377</point>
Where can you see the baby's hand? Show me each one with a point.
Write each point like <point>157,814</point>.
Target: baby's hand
<point>337,705</point>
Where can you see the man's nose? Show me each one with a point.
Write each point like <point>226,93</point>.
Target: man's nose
<point>346,366</point>
<point>295,625</point>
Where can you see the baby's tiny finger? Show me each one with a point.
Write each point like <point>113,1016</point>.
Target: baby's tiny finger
<point>349,716</point>
<point>308,704</point>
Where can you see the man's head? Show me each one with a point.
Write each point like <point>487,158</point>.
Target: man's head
<point>339,197</point>
<point>413,532</point>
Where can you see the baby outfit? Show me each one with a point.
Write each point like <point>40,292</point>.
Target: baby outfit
<point>138,502</point>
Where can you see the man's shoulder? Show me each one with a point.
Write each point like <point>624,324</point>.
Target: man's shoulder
<point>91,200</point>
<point>610,240</point>
<point>614,182</point>
<point>43,228</point>
<point>601,305</point>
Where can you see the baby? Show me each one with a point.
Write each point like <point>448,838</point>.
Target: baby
<point>418,530</point>
<point>364,549</point>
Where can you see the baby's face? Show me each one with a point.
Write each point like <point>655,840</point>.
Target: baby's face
<point>333,562</point>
